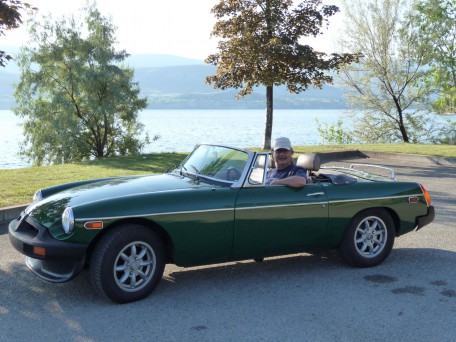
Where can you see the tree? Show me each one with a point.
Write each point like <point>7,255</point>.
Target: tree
<point>77,99</point>
<point>435,22</point>
<point>261,46</point>
<point>384,87</point>
<point>11,18</point>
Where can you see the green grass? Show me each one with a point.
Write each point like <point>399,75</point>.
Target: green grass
<point>18,186</point>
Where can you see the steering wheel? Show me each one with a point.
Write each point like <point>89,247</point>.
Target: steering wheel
<point>233,174</point>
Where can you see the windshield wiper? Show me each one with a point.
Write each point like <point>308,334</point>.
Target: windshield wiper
<point>196,174</point>
<point>197,178</point>
<point>182,167</point>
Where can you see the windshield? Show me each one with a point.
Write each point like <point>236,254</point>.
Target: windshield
<point>215,162</point>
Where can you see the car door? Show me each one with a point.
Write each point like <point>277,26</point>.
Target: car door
<point>275,220</point>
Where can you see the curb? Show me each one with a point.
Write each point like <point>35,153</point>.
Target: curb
<point>10,213</point>
<point>411,158</point>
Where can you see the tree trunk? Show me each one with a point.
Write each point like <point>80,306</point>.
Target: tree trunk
<point>404,133</point>
<point>269,109</point>
<point>405,137</point>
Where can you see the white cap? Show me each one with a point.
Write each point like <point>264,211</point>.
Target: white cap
<point>282,142</point>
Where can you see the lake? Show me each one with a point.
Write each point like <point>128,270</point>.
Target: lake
<point>181,130</point>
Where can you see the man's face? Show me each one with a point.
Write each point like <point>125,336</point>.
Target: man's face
<point>282,158</point>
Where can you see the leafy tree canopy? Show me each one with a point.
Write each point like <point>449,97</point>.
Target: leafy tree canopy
<point>75,96</point>
<point>10,18</point>
<point>384,87</point>
<point>260,45</point>
<point>435,22</point>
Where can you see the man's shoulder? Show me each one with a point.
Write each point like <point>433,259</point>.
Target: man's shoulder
<point>298,171</point>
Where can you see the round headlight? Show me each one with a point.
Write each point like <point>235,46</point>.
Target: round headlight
<point>68,220</point>
<point>38,196</point>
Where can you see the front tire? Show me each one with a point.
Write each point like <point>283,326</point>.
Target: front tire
<point>368,239</point>
<point>127,263</point>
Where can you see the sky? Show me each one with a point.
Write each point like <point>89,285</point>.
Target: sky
<point>177,27</point>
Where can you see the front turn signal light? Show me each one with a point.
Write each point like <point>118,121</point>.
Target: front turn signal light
<point>41,251</point>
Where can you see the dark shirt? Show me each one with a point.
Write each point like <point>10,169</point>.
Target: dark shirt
<point>291,170</point>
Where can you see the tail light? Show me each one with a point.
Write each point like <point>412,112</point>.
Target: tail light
<point>426,194</point>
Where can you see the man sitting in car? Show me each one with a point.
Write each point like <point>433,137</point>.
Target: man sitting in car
<point>285,173</point>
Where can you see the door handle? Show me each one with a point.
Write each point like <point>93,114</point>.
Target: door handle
<point>315,194</point>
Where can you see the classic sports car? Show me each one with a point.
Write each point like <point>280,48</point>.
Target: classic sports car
<point>214,207</point>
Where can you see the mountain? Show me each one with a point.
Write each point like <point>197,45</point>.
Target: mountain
<point>184,87</point>
<point>160,60</point>
<point>172,82</point>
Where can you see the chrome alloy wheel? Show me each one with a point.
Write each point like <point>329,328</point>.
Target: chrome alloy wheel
<point>135,266</point>
<point>370,237</point>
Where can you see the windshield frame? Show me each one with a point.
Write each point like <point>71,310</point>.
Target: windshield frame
<point>192,172</point>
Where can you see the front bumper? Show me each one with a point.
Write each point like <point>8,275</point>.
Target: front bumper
<point>48,258</point>
<point>421,221</point>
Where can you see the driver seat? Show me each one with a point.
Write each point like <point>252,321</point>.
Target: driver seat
<point>309,161</point>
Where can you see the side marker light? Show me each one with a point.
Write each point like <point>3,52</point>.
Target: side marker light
<point>94,225</point>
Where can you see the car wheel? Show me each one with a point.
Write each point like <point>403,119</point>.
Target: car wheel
<point>368,239</point>
<point>127,263</point>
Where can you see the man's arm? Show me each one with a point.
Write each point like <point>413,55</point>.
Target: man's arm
<point>293,181</point>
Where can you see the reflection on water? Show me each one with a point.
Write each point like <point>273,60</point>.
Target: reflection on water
<point>181,130</point>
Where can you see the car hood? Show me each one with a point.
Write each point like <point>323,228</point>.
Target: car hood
<point>50,209</point>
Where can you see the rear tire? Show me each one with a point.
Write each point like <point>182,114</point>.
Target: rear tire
<point>127,263</point>
<point>368,239</point>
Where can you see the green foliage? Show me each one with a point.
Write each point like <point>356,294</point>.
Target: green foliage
<point>435,24</point>
<point>384,88</point>
<point>11,18</point>
<point>447,132</point>
<point>76,98</point>
<point>335,133</point>
<point>260,45</point>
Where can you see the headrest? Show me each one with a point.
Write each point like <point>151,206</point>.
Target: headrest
<point>271,163</point>
<point>309,161</point>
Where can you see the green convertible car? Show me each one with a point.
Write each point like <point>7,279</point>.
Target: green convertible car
<point>214,207</point>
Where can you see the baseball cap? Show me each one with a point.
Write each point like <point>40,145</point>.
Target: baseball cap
<point>282,142</point>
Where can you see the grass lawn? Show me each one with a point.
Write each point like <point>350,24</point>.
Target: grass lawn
<point>18,186</point>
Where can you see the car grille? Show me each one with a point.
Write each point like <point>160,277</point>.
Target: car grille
<point>27,229</point>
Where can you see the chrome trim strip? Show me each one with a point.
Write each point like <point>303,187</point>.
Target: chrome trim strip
<point>374,198</point>
<point>302,204</point>
<point>154,214</point>
<point>282,205</point>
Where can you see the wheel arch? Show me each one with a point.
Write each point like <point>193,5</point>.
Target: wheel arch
<point>156,228</point>
<point>392,213</point>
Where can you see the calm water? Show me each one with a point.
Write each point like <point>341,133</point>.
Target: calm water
<point>181,130</point>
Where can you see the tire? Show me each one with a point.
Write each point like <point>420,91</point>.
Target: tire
<point>127,263</point>
<point>368,239</point>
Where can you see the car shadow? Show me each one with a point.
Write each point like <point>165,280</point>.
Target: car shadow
<point>4,228</point>
<point>301,269</point>
<point>26,287</point>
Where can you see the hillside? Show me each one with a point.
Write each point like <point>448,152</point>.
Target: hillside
<point>172,82</point>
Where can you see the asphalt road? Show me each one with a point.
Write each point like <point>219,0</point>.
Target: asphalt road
<point>410,297</point>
